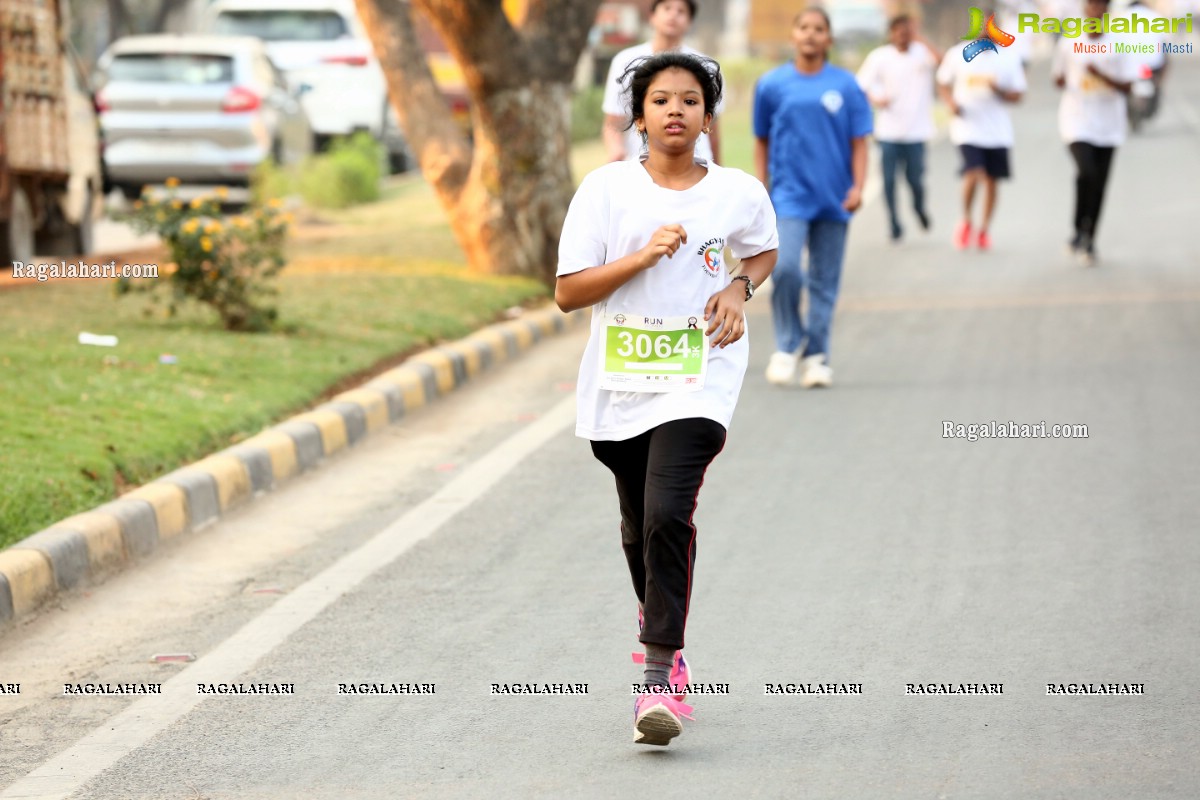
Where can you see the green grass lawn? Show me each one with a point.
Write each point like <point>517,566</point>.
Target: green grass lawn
<point>365,285</point>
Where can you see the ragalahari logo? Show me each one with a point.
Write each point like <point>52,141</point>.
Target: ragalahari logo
<point>985,36</point>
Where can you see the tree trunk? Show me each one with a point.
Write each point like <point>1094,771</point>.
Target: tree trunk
<point>163,13</point>
<point>505,196</point>
<point>116,20</point>
<point>511,211</point>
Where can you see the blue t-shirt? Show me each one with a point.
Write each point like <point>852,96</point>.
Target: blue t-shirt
<point>809,121</point>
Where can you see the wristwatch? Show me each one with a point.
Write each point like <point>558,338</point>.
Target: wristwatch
<point>749,285</point>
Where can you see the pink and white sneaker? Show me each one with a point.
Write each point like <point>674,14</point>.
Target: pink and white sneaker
<point>656,718</point>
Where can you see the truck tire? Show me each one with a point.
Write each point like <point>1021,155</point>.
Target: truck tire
<point>61,238</point>
<point>16,241</point>
<point>83,235</point>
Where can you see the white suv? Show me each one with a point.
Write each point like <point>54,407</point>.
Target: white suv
<point>318,45</point>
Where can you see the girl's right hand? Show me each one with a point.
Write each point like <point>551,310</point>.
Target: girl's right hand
<point>664,242</point>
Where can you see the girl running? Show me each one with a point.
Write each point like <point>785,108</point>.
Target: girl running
<point>643,244</point>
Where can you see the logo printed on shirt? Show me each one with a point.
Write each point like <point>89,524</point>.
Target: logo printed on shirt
<point>833,101</point>
<point>713,252</point>
<point>985,37</point>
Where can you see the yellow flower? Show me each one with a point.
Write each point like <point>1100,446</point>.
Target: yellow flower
<point>137,204</point>
<point>288,218</point>
<point>191,225</point>
<point>241,222</point>
<point>206,244</point>
<point>197,202</point>
<point>172,183</point>
<point>176,204</point>
<point>212,227</point>
<point>275,202</point>
<point>222,192</point>
<point>160,216</point>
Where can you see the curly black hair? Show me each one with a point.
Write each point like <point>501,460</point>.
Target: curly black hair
<point>642,72</point>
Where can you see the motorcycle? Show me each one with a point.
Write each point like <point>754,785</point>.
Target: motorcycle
<point>1143,98</point>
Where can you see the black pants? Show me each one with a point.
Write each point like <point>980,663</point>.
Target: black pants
<point>659,475</point>
<point>1092,164</point>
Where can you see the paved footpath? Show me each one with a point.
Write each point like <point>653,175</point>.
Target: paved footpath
<point>842,541</point>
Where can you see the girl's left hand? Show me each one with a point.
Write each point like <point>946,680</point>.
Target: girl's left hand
<point>853,199</point>
<point>724,310</point>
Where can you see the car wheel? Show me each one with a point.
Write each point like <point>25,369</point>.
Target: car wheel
<point>130,191</point>
<point>398,163</point>
<point>17,242</point>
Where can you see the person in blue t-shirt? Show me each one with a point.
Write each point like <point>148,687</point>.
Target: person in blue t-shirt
<point>811,122</point>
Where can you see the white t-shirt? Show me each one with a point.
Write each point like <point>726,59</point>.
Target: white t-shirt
<point>1092,111</point>
<point>905,81</point>
<point>984,121</point>
<point>613,214</point>
<point>616,100</point>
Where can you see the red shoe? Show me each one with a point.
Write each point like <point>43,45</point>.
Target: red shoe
<point>962,235</point>
<point>985,241</point>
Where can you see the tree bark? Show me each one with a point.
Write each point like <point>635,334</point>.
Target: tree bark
<point>506,193</point>
<point>116,20</point>
<point>164,10</point>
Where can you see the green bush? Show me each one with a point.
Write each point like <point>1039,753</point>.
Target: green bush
<point>587,118</point>
<point>270,181</point>
<point>226,264</point>
<point>346,175</point>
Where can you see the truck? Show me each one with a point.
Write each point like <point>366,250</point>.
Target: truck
<point>50,178</point>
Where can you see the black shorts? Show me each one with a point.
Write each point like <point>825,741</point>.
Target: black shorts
<point>992,160</point>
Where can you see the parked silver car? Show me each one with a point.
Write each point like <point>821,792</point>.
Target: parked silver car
<point>321,44</point>
<point>204,109</point>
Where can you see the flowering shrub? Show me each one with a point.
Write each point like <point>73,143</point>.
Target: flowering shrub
<point>225,263</point>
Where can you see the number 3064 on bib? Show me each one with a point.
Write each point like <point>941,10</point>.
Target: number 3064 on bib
<point>653,354</point>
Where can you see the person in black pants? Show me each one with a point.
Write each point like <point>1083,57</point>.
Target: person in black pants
<point>1092,164</point>
<point>1092,121</point>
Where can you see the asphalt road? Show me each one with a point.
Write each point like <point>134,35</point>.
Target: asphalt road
<point>842,540</point>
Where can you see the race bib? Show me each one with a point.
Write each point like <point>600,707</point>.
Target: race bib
<point>653,354</point>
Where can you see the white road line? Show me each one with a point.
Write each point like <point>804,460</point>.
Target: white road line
<point>874,186</point>
<point>67,772</point>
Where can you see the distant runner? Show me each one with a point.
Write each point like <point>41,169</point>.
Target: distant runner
<point>670,20</point>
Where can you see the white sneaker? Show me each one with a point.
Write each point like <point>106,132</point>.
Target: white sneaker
<point>781,369</point>
<point>816,372</point>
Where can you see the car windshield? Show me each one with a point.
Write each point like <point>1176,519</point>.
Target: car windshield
<point>194,68</point>
<point>284,25</point>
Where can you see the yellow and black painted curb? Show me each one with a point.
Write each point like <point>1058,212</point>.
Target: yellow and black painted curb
<point>88,546</point>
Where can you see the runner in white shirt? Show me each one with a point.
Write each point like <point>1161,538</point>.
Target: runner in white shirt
<point>898,80</point>
<point>643,244</point>
<point>670,20</point>
<point>1092,120</point>
<point>978,92</point>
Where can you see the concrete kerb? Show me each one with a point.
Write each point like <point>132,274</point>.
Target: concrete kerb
<point>87,547</point>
